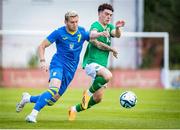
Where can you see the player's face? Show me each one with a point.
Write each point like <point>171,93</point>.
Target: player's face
<point>72,23</point>
<point>105,16</point>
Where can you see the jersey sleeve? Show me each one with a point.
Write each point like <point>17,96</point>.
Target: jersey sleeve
<point>94,27</point>
<point>85,34</point>
<point>112,27</point>
<point>53,36</point>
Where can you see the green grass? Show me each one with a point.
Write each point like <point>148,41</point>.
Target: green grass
<point>155,109</point>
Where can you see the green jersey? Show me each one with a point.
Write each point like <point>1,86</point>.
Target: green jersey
<point>93,54</point>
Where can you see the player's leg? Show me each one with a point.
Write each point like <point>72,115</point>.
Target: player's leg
<point>47,97</point>
<point>103,75</point>
<point>34,99</point>
<point>44,99</point>
<point>67,78</point>
<point>92,70</point>
<point>95,99</point>
<point>25,99</point>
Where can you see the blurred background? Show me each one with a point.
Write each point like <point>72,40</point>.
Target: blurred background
<point>149,49</point>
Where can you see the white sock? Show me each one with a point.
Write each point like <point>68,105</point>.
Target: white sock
<point>89,93</point>
<point>74,108</point>
<point>34,113</point>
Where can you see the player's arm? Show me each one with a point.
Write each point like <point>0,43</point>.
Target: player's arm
<point>41,52</point>
<point>94,34</point>
<point>104,47</point>
<point>117,31</point>
<point>97,43</point>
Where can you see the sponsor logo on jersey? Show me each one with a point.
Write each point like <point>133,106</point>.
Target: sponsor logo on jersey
<point>65,38</point>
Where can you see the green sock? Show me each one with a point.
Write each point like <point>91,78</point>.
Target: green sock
<point>90,104</point>
<point>97,84</point>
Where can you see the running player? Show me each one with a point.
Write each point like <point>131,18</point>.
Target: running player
<point>69,40</point>
<point>96,59</point>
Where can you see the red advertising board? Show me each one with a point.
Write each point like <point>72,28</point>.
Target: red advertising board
<point>121,78</point>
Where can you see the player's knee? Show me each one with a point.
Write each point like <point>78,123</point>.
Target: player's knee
<point>55,82</point>
<point>105,73</point>
<point>108,76</point>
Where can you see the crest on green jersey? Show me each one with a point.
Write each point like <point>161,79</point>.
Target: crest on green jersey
<point>108,29</point>
<point>108,38</point>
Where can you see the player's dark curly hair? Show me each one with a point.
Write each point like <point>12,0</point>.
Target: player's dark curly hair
<point>104,6</point>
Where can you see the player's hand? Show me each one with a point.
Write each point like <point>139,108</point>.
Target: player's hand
<point>120,23</point>
<point>44,66</point>
<point>105,34</point>
<point>115,53</point>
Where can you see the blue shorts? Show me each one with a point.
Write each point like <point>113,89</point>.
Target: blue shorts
<point>64,75</point>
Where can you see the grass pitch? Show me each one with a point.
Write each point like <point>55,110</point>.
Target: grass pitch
<point>155,108</point>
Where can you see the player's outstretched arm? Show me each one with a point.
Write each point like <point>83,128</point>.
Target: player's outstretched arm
<point>117,32</point>
<point>104,47</point>
<point>41,51</point>
<point>94,34</point>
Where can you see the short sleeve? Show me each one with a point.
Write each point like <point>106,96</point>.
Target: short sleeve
<point>94,27</point>
<point>53,36</point>
<point>112,27</point>
<point>86,35</point>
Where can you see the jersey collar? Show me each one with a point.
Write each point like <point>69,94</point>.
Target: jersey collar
<point>104,27</point>
<point>70,32</point>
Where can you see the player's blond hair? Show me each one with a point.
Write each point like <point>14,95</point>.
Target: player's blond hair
<point>70,14</point>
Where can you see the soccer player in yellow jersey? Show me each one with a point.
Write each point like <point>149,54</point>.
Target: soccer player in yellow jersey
<point>96,58</point>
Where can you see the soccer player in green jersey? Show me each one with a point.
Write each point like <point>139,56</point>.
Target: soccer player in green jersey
<point>96,58</point>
